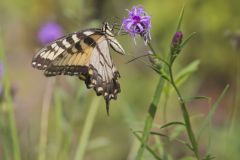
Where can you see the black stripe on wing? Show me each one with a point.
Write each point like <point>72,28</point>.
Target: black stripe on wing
<point>69,43</point>
<point>74,59</point>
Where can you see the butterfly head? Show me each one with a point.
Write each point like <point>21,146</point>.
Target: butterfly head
<point>107,29</point>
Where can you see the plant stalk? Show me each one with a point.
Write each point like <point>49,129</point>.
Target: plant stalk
<point>151,113</point>
<point>185,115</point>
<point>87,128</point>
<point>10,107</point>
<point>44,119</point>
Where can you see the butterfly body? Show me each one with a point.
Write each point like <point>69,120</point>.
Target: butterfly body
<point>84,54</point>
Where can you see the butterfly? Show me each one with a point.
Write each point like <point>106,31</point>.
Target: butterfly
<point>85,54</point>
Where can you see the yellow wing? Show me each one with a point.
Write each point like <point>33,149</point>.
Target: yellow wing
<point>86,55</point>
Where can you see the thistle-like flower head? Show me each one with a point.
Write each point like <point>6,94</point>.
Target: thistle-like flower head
<point>138,22</point>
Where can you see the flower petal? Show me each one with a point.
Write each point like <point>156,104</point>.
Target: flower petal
<point>138,22</point>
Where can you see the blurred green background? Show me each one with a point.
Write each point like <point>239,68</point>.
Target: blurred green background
<point>216,45</point>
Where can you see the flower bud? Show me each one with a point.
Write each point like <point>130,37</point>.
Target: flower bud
<point>177,39</point>
<point>154,61</point>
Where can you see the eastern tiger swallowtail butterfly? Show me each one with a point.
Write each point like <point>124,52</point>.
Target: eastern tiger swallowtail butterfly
<point>84,54</point>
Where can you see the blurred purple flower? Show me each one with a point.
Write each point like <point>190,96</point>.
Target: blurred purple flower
<point>138,22</point>
<point>49,32</point>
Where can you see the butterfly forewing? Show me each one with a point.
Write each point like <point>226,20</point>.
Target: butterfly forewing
<point>84,54</point>
<point>69,43</point>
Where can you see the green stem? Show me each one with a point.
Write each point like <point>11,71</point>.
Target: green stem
<point>152,49</point>
<point>44,119</point>
<point>235,111</point>
<point>185,116</point>
<point>10,108</point>
<point>58,106</point>
<point>166,146</point>
<point>83,141</point>
<point>150,117</point>
<point>151,113</point>
<point>156,55</point>
<point>148,148</point>
<point>12,124</point>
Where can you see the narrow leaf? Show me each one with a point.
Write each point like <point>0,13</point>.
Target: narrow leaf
<point>197,98</point>
<point>178,140</point>
<point>147,147</point>
<point>159,134</point>
<point>187,39</point>
<point>180,19</point>
<point>183,75</point>
<point>213,109</point>
<point>209,157</point>
<point>171,124</point>
<point>87,129</point>
<point>187,71</point>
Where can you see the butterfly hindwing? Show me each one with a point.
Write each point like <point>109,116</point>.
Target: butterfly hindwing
<point>104,76</point>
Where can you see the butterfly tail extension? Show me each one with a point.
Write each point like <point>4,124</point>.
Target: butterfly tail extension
<point>111,92</point>
<point>107,106</point>
<point>108,90</point>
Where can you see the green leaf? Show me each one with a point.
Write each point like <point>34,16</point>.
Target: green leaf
<point>187,39</point>
<point>183,75</point>
<point>13,133</point>
<point>169,138</point>
<point>180,19</point>
<point>87,129</point>
<point>159,134</point>
<point>209,157</point>
<point>160,147</point>
<point>213,109</point>
<point>207,120</point>
<point>197,98</point>
<point>186,72</point>
<point>147,147</point>
<point>150,118</point>
<point>172,124</point>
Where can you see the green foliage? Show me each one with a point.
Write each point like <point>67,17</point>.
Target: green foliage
<point>77,125</point>
<point>7,106</point>
<point>171,124</point>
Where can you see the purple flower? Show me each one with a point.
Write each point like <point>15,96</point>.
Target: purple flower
<point>138,22</point>
<point>49,32</point>
<point>177,39</point>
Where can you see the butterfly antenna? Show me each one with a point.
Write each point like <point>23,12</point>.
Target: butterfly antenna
<point>123,33</point>
<point>105,20</point>
<point>117,18</point>
<point>136,58</point>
